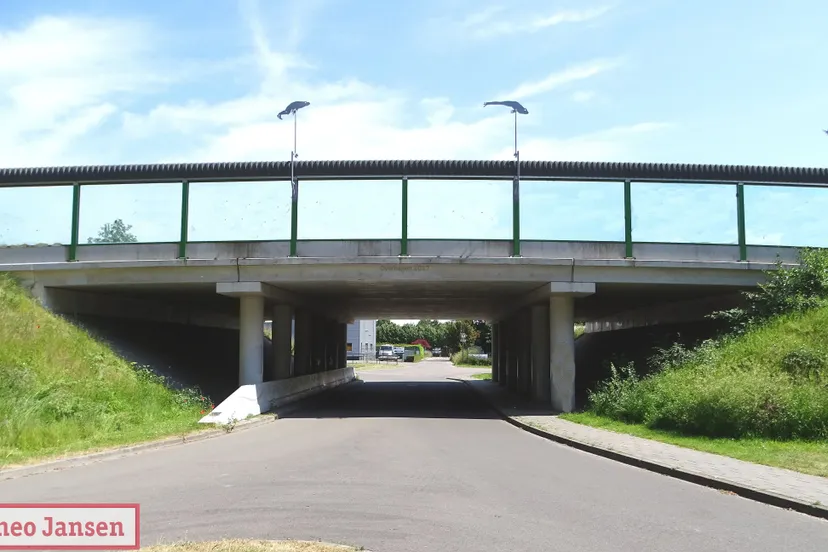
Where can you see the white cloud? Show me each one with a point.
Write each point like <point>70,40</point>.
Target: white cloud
<point>491,23</point>
<point>557,79</point>
<point>57,80</point>
<point>347,119</point>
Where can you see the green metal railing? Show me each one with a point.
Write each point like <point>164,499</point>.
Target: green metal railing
<point>404,228</point>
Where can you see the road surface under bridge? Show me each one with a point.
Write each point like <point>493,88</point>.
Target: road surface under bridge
<point>405,461</point>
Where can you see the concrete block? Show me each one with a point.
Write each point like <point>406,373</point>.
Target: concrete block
<point>259,398</point>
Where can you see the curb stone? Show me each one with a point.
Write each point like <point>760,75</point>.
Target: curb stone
<point>752,493</point>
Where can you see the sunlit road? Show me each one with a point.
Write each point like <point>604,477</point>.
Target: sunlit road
<point>408,461</point>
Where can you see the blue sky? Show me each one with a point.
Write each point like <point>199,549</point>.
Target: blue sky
<point>97,82</point>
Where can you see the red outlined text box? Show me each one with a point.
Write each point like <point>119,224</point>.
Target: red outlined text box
<point>70,526</point>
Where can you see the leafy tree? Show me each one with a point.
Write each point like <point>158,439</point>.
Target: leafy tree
<point>456,331</point>
<point>432,333</point>
<point>484,340</point>
<point>117,232</point>
<point>423,342</point>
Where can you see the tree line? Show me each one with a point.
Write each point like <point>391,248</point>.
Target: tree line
<point>454,335</point>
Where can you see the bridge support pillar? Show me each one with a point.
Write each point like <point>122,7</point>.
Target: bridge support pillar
<point>251,339</point>
<point>512,333</point>
<point>562,352</point>
<point>541,380</point>
<point>279,368</point>
<point>495,351</point>
<point>302,342</point>
<point>503,352</point>
<point>341,343</point>
<point>524,351</point>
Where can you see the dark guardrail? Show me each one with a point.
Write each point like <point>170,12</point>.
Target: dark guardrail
<point>467,169</point>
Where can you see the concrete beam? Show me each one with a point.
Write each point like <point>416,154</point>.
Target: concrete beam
<point>551,289</point>
<point>239,289</point>
<point>280,296</point>
<point>665,313</point>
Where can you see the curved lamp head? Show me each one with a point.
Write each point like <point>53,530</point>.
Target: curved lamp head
<point>516,107</point>
<point>292,107</point>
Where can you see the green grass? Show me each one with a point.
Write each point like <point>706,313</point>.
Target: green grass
<point>368,366</point>
<point>802,456</point>
<point>64,392</point>
<point>770,383</point>
<point>482,376</point>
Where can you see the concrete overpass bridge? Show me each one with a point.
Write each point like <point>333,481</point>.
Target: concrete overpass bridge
<point>532,290</point>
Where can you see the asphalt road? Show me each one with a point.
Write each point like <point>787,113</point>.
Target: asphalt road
<point>409,461</point>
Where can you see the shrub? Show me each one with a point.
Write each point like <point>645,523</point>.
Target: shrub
<point>463,357</point>
<point>786,290</point>
<point>805,363</point>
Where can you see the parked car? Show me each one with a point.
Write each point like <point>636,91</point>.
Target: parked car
<point>399,351</point>
<point>386,352</point>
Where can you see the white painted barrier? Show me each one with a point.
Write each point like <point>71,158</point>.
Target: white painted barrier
<point>255,399</point>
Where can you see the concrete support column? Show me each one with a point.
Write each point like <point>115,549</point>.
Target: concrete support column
<point>502,352</point>
<point>318,333</point>
<point>524,342</point>
<point>512,352</point>
<point>251,339</point>
<point>331,344</point>
<point>282,316</point>
<point>562,351</point>
<point>303,343</point>
<point>495,352</point>
<point>541,381</point>
<point>341,345</point>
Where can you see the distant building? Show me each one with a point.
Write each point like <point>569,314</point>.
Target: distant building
<point>361,338</point>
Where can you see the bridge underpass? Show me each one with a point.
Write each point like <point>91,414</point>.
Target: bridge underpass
<point>532,290</point>
<point>532,315</point>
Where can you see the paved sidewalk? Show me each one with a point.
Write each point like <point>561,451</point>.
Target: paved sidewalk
<point>780,487</point>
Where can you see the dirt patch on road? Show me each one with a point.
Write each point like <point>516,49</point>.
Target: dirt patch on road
<point>242,545</point>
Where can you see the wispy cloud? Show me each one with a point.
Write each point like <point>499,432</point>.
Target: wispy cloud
<point>488,24</point>
<point>559,78</point>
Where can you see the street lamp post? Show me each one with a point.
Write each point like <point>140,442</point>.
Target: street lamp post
<point>516,108</point>
<point>291,109</point>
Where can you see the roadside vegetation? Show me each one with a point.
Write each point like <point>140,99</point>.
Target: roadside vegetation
<point>63,391</point>
<point>465,358</point>
<point>757,392</point>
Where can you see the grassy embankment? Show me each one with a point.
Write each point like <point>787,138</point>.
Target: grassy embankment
<point>758,393</point>
<point>64,392</point>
